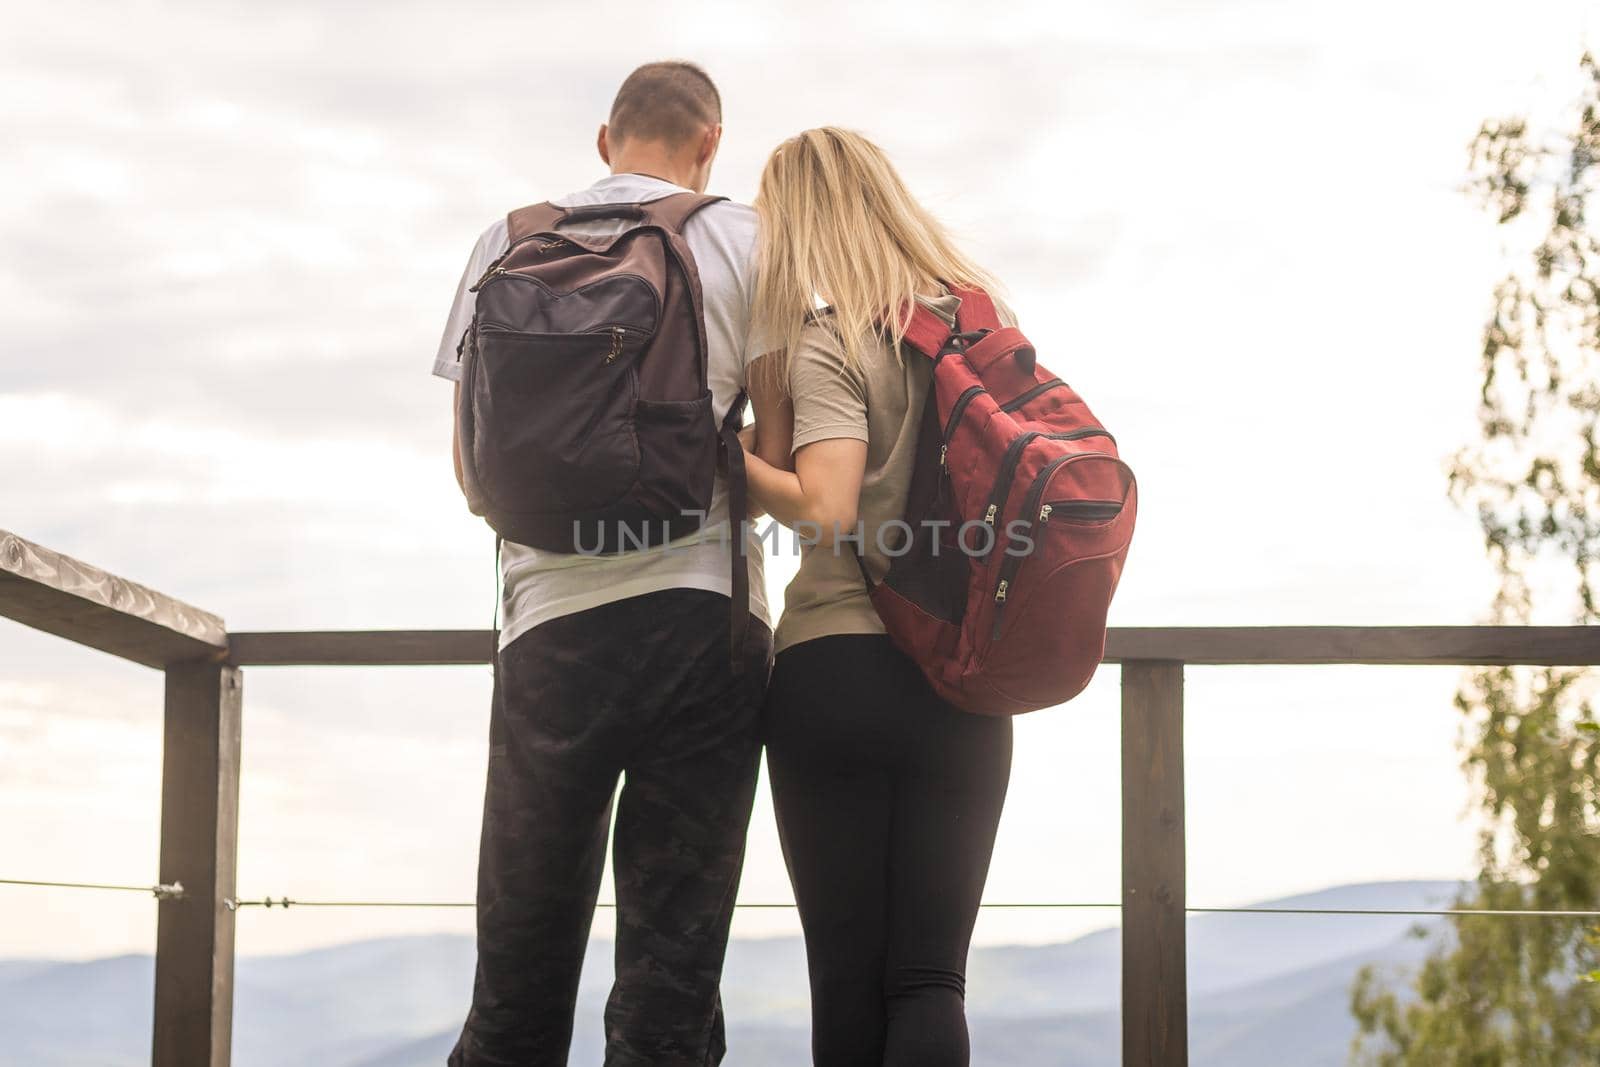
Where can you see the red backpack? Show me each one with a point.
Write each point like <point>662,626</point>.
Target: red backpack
<point>1016,527</point>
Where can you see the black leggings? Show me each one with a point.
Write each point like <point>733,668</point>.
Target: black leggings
<point>887,801</point>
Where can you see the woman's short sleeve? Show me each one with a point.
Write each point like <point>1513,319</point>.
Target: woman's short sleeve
<point>830,399</point>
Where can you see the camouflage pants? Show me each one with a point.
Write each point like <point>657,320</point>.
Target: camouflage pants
<point>640,689</point>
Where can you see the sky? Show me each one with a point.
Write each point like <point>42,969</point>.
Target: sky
<point>230,233</point>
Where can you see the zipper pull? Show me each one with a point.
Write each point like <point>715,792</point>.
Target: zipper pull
<point>1044,513</point>
<point>1000,593</point>
<point>988,518</point>
<point>494,271</point>
<point>616,344</point>
<point>944,450</point>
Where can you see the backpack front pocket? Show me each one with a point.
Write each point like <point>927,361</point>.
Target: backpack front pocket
<point>679,447</point>
<point>554,418</point>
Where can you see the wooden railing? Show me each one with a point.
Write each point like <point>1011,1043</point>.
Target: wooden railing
<point>199,775</point>
<point>200,782</point>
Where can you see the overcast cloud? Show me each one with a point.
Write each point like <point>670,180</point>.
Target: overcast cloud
<point>230,233</point>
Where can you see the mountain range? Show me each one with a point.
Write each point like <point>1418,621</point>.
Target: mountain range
<point>1265,991</point>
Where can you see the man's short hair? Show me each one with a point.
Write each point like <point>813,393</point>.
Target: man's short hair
<point>670,101</point>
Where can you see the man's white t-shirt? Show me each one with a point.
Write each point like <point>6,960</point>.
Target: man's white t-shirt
<point>540,586</point>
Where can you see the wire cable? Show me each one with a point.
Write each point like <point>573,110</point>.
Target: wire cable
<point>160,891</point>
<point>289,902</point>
<point>286,902</point>
<point>175,891</point>
<point>1492,912</point>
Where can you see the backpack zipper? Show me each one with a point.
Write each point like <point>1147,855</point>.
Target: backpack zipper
<point>618,334</point>
<point>502,272</point>
<point>469,339</point>
<point>619,337</point>
<point>1008,570</point>
<point>1082,510</point>
<point>494,269</point>
<point>1013,456</point>
<point>1032,394</point>
<point>1008,469</point>
<point>958,409</point>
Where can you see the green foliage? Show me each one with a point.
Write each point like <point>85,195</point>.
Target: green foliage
<point>1525,991</point>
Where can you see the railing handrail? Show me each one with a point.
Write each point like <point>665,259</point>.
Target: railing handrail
<point>1574,646</point>
<point>49,591</point>
<point>201,746</point>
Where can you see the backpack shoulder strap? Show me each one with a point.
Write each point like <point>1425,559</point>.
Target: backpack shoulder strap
<point>672,211</point>
<point>926,332</point>
<point>977,311</point>
<point>668,212</point>
<point>738,512</point>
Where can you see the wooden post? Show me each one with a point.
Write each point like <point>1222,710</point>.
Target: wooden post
<point>199,838</point>
<point>1155,999</point>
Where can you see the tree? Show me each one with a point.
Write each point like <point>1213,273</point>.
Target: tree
<point>1522,991</point>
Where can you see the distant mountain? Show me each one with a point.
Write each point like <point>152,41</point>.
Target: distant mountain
<point>1226,951</point>
<point>1265,990</point>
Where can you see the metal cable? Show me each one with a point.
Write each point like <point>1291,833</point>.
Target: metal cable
<point>175,891</point>
<point>286,902</point>
<point>159,891</point>
<point>1531,912</point>
<point>289,902</point>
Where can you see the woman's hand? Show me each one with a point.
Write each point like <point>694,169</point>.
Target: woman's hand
<point>747,441</point>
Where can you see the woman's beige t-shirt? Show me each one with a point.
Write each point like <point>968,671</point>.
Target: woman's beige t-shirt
<point>879,402</point>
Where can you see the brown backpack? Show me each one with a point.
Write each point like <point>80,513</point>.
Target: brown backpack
<point>586,424</point>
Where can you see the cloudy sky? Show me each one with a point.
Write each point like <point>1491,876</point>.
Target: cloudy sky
<point>229,234</point>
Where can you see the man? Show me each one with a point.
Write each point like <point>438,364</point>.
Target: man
<point>615,666</point>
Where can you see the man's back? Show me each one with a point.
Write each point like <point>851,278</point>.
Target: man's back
<point>540,586</point>
<point>625,668</point>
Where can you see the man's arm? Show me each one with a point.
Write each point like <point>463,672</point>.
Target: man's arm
<point>447,359</point>
<point>455,438</point>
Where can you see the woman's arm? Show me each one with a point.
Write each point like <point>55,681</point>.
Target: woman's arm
<point>773,440</point>
<point>771,436</point>
<point>820,498</point>
<point>816,491</point>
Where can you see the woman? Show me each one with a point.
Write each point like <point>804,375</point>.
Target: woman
<point>887,798</point>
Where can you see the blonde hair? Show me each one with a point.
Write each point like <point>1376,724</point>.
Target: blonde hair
<point>838,225</point>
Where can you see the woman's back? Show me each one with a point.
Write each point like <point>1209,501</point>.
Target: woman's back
<point>878,399</point>
<point>887,798</point>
